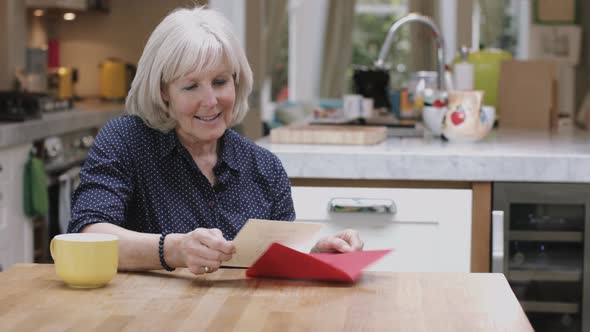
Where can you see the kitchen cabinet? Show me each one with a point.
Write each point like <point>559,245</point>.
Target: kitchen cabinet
<point>481,207</point>
<point>428,228</point>
<point>16,229</point>
<point>4,257</point>
<point>4,236</point>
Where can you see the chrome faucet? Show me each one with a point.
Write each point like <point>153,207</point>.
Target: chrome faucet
<point>440,44</point>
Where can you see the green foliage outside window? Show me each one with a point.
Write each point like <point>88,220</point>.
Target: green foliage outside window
<point>367,39</point>
<point>369,34</point>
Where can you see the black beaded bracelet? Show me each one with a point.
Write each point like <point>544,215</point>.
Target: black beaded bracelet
<point>161,253</point>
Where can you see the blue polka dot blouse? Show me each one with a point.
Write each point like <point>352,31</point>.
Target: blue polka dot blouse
<point>144,180</point>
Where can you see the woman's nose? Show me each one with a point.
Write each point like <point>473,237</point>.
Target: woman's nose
<point>209,97</point>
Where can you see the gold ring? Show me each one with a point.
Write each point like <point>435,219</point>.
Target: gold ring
<point>206,268</point>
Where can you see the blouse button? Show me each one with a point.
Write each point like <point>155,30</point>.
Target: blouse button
<point>211,204</point>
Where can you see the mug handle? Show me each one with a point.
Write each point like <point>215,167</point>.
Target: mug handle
<point>51,249</point>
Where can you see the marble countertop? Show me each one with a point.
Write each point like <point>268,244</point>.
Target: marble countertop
<point>83,115</point>
<point>505,155</point>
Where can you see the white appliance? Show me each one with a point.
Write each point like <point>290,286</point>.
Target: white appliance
<point>16,229</point>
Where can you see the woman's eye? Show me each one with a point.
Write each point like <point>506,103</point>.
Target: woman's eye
<point>219,82</point>
<point>190,87</point>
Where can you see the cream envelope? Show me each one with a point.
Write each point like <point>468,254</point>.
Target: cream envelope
<point>257,235</point>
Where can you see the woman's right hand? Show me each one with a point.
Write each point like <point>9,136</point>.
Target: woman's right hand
<point>203,250</point>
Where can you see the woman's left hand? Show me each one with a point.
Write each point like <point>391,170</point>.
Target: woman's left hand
<point>345,241</point>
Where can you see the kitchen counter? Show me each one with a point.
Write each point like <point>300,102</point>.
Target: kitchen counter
<point>505,155</point>
<point>83,115</point>
<point>430,163</point>
<point>32,298</point>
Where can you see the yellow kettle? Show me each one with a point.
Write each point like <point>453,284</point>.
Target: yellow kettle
<point>115,79</point>
<point>60,82</point>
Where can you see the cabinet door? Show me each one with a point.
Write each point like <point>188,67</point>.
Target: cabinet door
<point>546,254</point>
<point>4,167</point>
<point>429,231</point>
<point>4,260</point>
<point>16,229</point>
<point>4,236</point>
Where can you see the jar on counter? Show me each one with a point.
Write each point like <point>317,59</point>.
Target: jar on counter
<point>420,84</point>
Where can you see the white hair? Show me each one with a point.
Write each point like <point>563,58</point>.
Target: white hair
<point>186,40</point>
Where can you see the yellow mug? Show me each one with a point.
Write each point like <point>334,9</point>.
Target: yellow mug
<point>85,260</point>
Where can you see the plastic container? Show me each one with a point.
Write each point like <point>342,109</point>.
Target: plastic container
<point>463,72</point>
<point>420,84</point>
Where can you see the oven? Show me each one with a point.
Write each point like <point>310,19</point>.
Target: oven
<point>63,158</point>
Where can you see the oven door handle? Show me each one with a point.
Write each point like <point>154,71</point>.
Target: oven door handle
<point>365,205</point>
<point>498,241</point>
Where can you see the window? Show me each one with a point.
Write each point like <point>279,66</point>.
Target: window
<point>498,24</point>
<point>279,78</point>
<point>372,21</point>
<point>502,24</point>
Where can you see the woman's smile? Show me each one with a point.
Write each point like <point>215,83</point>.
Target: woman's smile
<point>208,118</point>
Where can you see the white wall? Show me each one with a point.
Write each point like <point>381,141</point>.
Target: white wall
<point>13,40</point>
<point>306,35</point>
<point>448,27</point>
<point>524,22</point>
<point>235,11</point>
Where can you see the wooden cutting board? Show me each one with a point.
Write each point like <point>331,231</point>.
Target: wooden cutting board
<point>328,134</point>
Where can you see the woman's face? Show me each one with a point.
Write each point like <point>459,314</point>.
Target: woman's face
<point>202,103</point>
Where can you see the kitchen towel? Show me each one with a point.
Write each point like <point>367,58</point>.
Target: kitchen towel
<point>280,261</point>
<point>36,198</point>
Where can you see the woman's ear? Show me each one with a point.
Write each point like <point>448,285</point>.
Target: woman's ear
<point>164,93</point>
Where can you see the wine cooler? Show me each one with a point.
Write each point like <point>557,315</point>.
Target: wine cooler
<point>539,234</point>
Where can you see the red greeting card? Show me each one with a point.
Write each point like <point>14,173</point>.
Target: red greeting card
<point>280,261</point>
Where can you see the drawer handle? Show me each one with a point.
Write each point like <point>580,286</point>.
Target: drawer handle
<point>366,205</point>
<point>498,241</point>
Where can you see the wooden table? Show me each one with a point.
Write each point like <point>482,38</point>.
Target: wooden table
<point>32,298</point>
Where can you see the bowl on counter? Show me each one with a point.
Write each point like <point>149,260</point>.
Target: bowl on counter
<point>433,118</point>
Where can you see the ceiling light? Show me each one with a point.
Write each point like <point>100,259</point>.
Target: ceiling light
<point>69,16</point>
<point>38,12</point>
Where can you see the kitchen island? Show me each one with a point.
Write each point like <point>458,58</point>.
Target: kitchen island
<point>504,156</point>
<point>33,298</point>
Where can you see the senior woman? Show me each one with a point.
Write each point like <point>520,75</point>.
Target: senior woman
<point>171,179</point>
